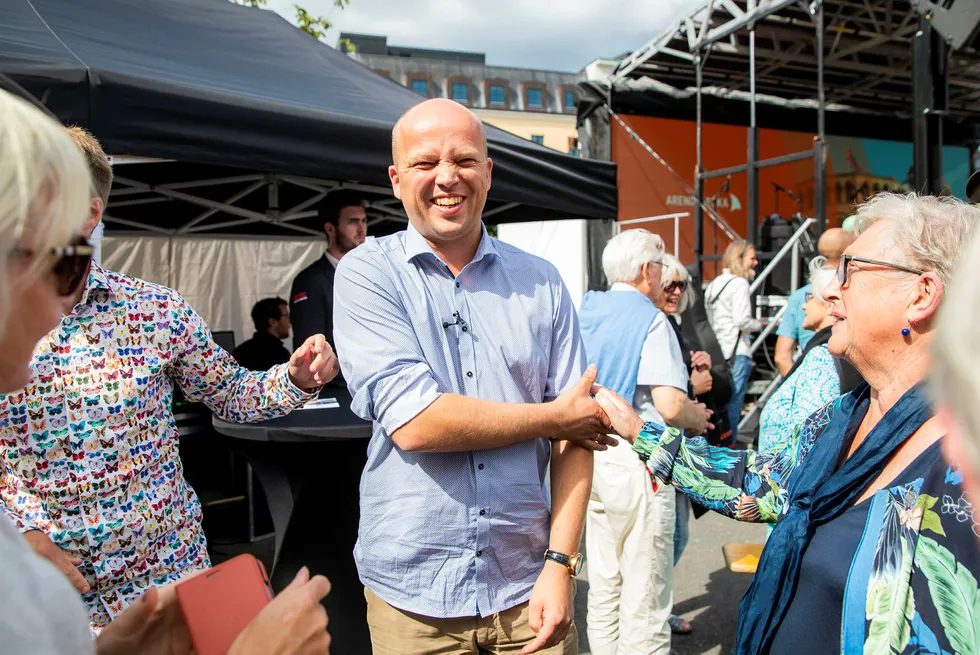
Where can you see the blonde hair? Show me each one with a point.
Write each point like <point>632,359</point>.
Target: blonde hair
<point>734,257</point>
<point>626,253</point>
<point>45,188</point>
<point>95,158</point>
<point>956,350</point>
<point>674,271</point>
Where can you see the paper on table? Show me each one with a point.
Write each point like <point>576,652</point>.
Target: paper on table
<point>322,403</point>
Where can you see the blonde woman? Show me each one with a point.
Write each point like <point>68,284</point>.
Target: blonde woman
<point>729,308</point>
<point>44,200</point>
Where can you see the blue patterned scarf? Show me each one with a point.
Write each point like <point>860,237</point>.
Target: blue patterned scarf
<point>819,492</point>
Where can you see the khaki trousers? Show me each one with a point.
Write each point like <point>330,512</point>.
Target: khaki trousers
<point>397,632</point>
<point>629,546</point>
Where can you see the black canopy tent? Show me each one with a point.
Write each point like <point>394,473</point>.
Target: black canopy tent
<point>227,120</point>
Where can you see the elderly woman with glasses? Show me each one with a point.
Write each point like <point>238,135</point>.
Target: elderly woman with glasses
<point>868,554</point>
<point>44,200</point>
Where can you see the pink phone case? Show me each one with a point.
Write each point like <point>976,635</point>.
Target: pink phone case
<point>219,603</point>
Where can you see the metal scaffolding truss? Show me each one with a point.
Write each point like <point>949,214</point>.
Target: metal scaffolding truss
<point>867,57</point>
<point>270,204</point>
<point>881,57</point>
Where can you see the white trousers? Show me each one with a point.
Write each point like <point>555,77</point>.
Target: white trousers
<point>629,541</point>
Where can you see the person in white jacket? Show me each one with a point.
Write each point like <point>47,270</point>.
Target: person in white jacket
<point>729,309</point>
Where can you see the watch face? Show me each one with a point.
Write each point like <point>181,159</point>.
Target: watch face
<point>575,563</point>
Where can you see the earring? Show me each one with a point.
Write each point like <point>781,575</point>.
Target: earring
<point>906,330</point>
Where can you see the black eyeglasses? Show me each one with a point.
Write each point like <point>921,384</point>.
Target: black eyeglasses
<point>70,266</point>
<point>842,267</point>
<point>675,286</point>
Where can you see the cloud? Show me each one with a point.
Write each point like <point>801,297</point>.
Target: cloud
<point>546,34</point>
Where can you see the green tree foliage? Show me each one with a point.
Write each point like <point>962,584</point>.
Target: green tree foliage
<point>315,26</point>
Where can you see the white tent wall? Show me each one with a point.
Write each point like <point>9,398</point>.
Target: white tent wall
<point>563,243</point>
<point>220,278</point>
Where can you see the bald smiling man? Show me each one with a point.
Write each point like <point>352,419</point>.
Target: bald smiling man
<point>465,353</point>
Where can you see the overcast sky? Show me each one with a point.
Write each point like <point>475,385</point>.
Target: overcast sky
<point>549,34</point>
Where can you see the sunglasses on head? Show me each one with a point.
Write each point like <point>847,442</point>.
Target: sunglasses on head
<point>70,266</point>
<point>675,286</point>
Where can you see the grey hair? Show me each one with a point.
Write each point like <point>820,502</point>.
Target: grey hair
<point>627,252</point>
<point>820,278</point>
<point>675,271</point>
<point>956,350</point>
<point>45,188</point>
<point>930,231</point>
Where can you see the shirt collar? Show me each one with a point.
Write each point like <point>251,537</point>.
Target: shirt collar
<point>330,258</point>
<point>623,286</point>
<point>98,280</point>
<point>415,245</point>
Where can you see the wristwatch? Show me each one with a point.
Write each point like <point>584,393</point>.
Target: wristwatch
<point>571,562</point>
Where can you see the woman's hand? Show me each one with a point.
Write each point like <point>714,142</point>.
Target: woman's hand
<point>624,420</point>
<point>293,623</point>
<point>700,361</point>
<point>153,625</point>
<point>701,381</point>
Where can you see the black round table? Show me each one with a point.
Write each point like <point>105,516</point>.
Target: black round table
<point>309,464</point>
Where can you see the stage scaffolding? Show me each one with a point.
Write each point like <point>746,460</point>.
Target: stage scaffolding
<point>915,60</point>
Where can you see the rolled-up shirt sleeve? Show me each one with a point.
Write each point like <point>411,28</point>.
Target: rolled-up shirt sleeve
<point>380,356</point>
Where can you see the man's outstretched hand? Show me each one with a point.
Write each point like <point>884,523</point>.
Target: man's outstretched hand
<point>313,364</point>
<point>579,418</point>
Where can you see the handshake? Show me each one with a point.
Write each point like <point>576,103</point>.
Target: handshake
<point>587,413</point>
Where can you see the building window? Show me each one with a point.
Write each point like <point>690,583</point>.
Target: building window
<point>538,139</point>
<point>498,94</point>
<point>573,148</point>
<point>569,99</point>
<point>460,92</point>
<point>535,98</point>
<point>421,87</point>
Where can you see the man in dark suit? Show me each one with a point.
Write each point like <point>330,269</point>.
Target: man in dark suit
<point>264,350</point>
<point>311,297</point>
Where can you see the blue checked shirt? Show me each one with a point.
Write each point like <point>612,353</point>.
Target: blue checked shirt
<point>459,533</point>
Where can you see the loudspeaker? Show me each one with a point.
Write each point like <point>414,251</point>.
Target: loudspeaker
<point>957,21</point>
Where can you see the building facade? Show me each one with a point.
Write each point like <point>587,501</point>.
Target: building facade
<point>538,105</point>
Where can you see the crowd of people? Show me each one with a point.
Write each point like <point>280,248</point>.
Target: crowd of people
<point>504,423</point>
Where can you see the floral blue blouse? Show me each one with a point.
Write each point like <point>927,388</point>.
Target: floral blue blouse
<point>811,386</point>
<point>912,582</point>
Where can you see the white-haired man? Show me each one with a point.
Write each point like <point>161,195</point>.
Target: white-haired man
<point>630,527</point>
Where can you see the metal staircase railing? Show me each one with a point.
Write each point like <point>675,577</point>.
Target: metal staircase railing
<point>791,246</point>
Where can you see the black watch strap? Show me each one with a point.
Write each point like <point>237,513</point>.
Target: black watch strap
<point>555,556</point>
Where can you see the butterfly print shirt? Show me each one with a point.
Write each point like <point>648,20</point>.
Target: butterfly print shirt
<point>89,447</point>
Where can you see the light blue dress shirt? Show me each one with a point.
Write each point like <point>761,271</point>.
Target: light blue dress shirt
<point>458,533</point>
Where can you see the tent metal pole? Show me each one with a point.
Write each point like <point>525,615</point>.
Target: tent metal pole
<point>141,226</point>
<point>752,206</point>
<point>216,226</point>
<point>820,147</point>
<point>698,173</point>
<point>229,200</point>
<point>502,208</point>
<point>309,202</point>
